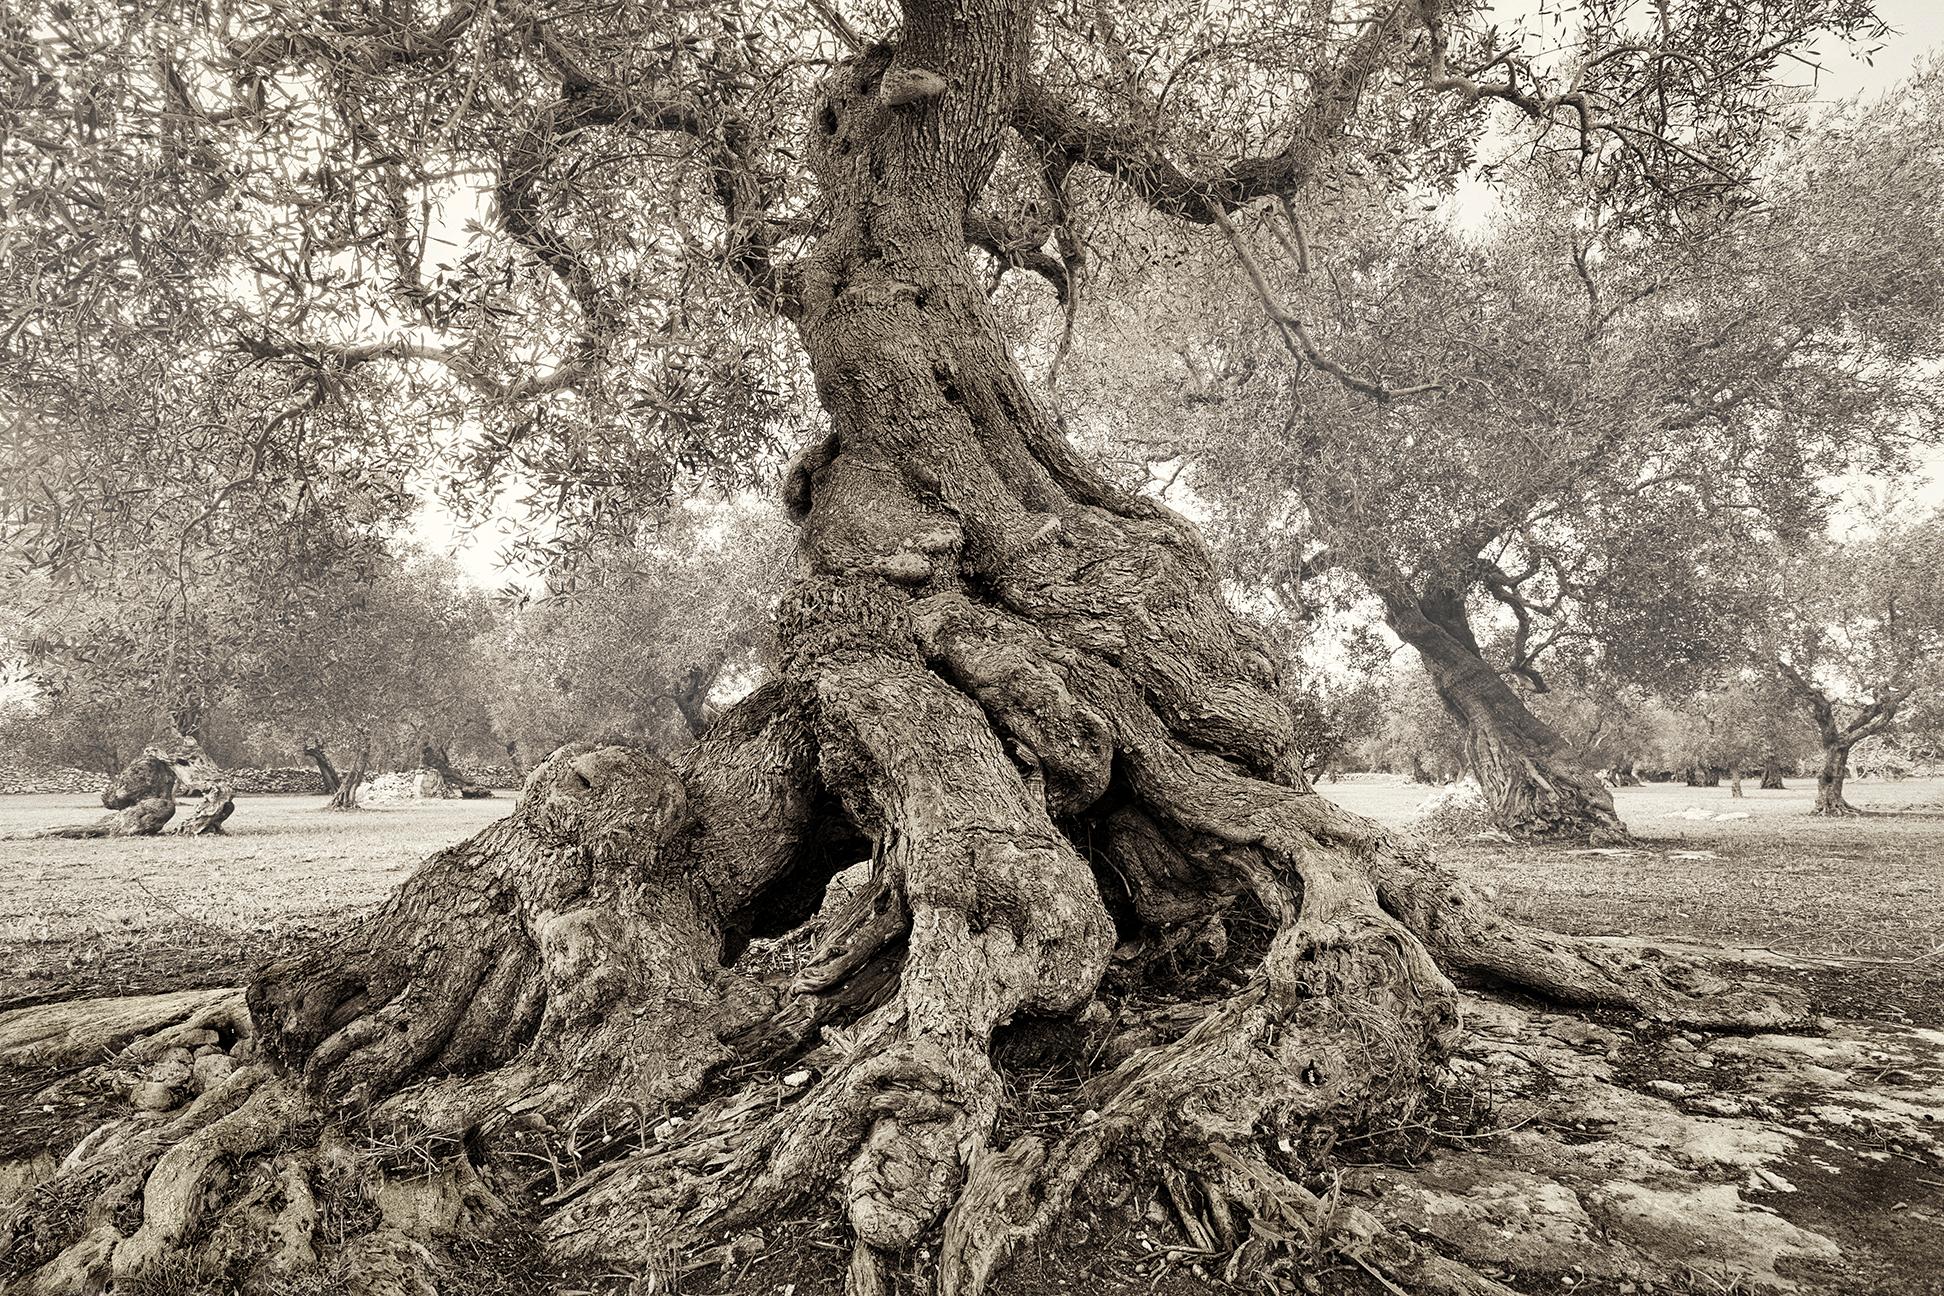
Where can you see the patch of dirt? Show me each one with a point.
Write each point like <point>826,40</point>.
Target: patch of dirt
<point>1885,1212</point>
<point>1910,993</point>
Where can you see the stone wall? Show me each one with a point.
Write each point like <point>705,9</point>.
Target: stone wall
<point>77,782</point>
<point>492,776</point>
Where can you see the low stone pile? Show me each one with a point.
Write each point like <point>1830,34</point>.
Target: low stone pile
<point>78,782</point>
<point>190,1061</point>
<point>493,776</point>
<point>403,785</point>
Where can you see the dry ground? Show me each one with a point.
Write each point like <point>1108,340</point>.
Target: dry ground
<point>1865,895</point>
<point>122,917</point>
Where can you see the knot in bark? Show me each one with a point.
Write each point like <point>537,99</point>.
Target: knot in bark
<point>615,803</point>
<point>904,86</point>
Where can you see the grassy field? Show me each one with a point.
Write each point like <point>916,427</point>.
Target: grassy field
<point>1865,894</point>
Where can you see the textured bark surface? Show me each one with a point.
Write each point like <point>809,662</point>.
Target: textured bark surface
<point>1830,777</point>
<point>1011,708</point>
<point>345,795</point>
<point>327,772</point>
<point>1534,791</point>
<point>434,757</point>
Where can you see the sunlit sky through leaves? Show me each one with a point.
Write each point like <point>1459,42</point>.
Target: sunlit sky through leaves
<point>1840,73</point>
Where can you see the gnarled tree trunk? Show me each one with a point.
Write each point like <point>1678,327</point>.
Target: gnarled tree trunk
<point>314,748</point>
<point>196,773</point>
<point>434,757</point>
<point>1830,778</point>
<point>1014,696</point>
<point>1772,773</point>
<point>143,795</point>
<point>1534,790</point>
<point>345,795</point>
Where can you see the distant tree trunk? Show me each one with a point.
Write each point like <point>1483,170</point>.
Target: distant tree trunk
<point>196,772</point>
<point>1419,774</point>
<point>691,698</point>
<point>436,758</point>
<point>1838,738</point>
<point>1771,773</point>
<point>345,795</point>
<point>314,748</point>
<point>207,819</point>
<point>143,794</point>
<point>1534,791</point>
<point>1829,779</point>
<point>1624,776</point>
<point>1734,776</point>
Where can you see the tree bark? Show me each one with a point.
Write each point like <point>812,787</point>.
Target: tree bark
<point>1772,773</point>
<point>1830,778</point>
<point>195,773</point>
<point>142,797</point>
<point>1014,696</point>
<point>345,795</point>
<point>314,748</point>
<point>1533,789</point>
<point>434,757</point>
<point>1734,781</point>
<point>691,698</point>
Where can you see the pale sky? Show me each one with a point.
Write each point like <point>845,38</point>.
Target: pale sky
<point>1917,29</point>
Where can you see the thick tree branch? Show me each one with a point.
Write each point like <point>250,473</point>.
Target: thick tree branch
<point>1127,153</point>
<point>1295,335</point>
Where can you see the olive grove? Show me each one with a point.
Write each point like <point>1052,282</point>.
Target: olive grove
<point>1571,424</point>
<point>605,254</point>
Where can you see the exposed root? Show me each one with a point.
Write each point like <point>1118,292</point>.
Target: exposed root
<point>1466,934</point>
<point>568,957</point>
<point>552,1018</point>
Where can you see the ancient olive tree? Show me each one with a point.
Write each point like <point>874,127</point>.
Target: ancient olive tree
<point>1010,689</point>
<point>1537,423</point>
<point>1853,627</point>
<point>385,664</point>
